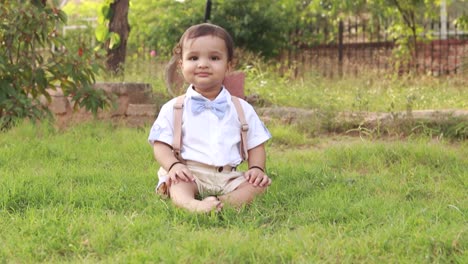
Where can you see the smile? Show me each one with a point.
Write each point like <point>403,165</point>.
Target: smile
<point>202,74</point>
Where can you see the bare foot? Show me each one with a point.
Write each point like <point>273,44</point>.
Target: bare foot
<point>206,205</point>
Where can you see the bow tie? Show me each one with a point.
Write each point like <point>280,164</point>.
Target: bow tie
<point>218,107</point>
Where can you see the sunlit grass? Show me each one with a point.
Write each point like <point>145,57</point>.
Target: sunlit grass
<point>375,92</point>
<point>366,92</point>
<point>85,194</point>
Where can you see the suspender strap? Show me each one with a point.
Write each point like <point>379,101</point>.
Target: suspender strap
<point>244,128</point>
<point>177,140</point>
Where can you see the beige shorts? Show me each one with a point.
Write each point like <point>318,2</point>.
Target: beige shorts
<point>209,180</point>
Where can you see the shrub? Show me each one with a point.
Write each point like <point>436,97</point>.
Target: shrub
<point>34,58</point>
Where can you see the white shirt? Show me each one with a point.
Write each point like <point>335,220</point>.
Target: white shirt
<point>205,137</point>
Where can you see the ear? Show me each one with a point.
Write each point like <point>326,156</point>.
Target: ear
<point>229,68</point>
<point>179,63</point>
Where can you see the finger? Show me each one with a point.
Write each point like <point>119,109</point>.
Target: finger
<point>184,177</point>
<point>264,181</point>
<point>258,180</point>
<point>184,174</point>
<point>247,177</point>
<point>181,175</point>
<point>252,179</point>
<point>189,175</point>
<point>172,180</point>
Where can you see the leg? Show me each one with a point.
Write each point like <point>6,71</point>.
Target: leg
<point>244,194</point>
<point>183,195</point>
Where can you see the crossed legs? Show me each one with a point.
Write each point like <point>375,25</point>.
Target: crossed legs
<point>183,195</point>
<point>244,194</point>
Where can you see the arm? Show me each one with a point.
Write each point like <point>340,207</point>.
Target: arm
<point>256,173</point>
<point>164,156</point>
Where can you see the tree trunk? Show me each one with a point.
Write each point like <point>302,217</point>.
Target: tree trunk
<point>118,24</point>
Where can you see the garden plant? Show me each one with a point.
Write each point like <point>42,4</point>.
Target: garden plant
<point>34,58</point>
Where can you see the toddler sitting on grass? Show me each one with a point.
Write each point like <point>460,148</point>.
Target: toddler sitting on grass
<point>211,145</point>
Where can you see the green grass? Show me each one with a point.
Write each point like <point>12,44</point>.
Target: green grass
<point>370,91</point>
<point>85,195</point>
<point>367,92</point>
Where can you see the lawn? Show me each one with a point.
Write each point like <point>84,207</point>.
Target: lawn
<point>368,91</point>
<point>85,195</point>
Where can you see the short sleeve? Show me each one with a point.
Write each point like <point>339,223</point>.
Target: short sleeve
<point>258,132</point>
<point>163,128</point>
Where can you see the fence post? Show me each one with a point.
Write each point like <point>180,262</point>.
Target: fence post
<point>207,11</point>
<point>340,48</point>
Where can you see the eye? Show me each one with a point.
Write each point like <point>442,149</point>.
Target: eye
<point>192,58</point>
<point>215,58</point>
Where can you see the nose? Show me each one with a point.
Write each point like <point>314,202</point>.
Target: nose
<point>202,63</point>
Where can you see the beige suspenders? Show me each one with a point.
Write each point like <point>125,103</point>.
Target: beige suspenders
<point>177,141</point>
<point>244,128</point>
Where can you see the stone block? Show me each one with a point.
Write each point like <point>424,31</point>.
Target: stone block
<point>114,88</point>
<point>141,110</point>
<point>43,100</point>
<point>138,93</point>
<point>60,105</point>
<point>121,106</point>
<point>55,92</point>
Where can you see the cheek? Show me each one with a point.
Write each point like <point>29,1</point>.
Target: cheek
<point>185,66</point>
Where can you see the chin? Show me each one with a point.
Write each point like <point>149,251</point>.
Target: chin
<point>206,87</point>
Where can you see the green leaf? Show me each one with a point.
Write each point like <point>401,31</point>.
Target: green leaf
<point>102,33</point>
<point>105,10</point>
<point>63,16</point>
<point>40,78</point>
<point>114,40</point>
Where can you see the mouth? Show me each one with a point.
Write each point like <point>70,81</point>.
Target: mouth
<point>202,74</point>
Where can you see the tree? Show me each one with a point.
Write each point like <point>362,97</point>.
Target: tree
<point>405,19</point>
<point>271,27</point>
<point>463,21</point>
<point>409,11</point>
<point>28,65</point>
<point>257,26</point>
<point>113,31</point>
<point>118,24</point>
<point>161,28</point>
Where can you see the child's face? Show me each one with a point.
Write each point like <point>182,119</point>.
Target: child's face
<point>205,63</point>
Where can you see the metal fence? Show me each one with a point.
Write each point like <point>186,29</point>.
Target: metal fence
<point>352,48</point>
<point>359,48</point>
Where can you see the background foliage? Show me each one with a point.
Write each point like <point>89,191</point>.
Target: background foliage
<point>268,27</point>
<point>265,28</point>
<point>34,57</point>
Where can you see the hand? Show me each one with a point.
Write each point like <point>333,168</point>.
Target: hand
<point>257,177</point>
<point>179,172</point>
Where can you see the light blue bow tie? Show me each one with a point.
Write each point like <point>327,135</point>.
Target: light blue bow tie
<point>218,107</point>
